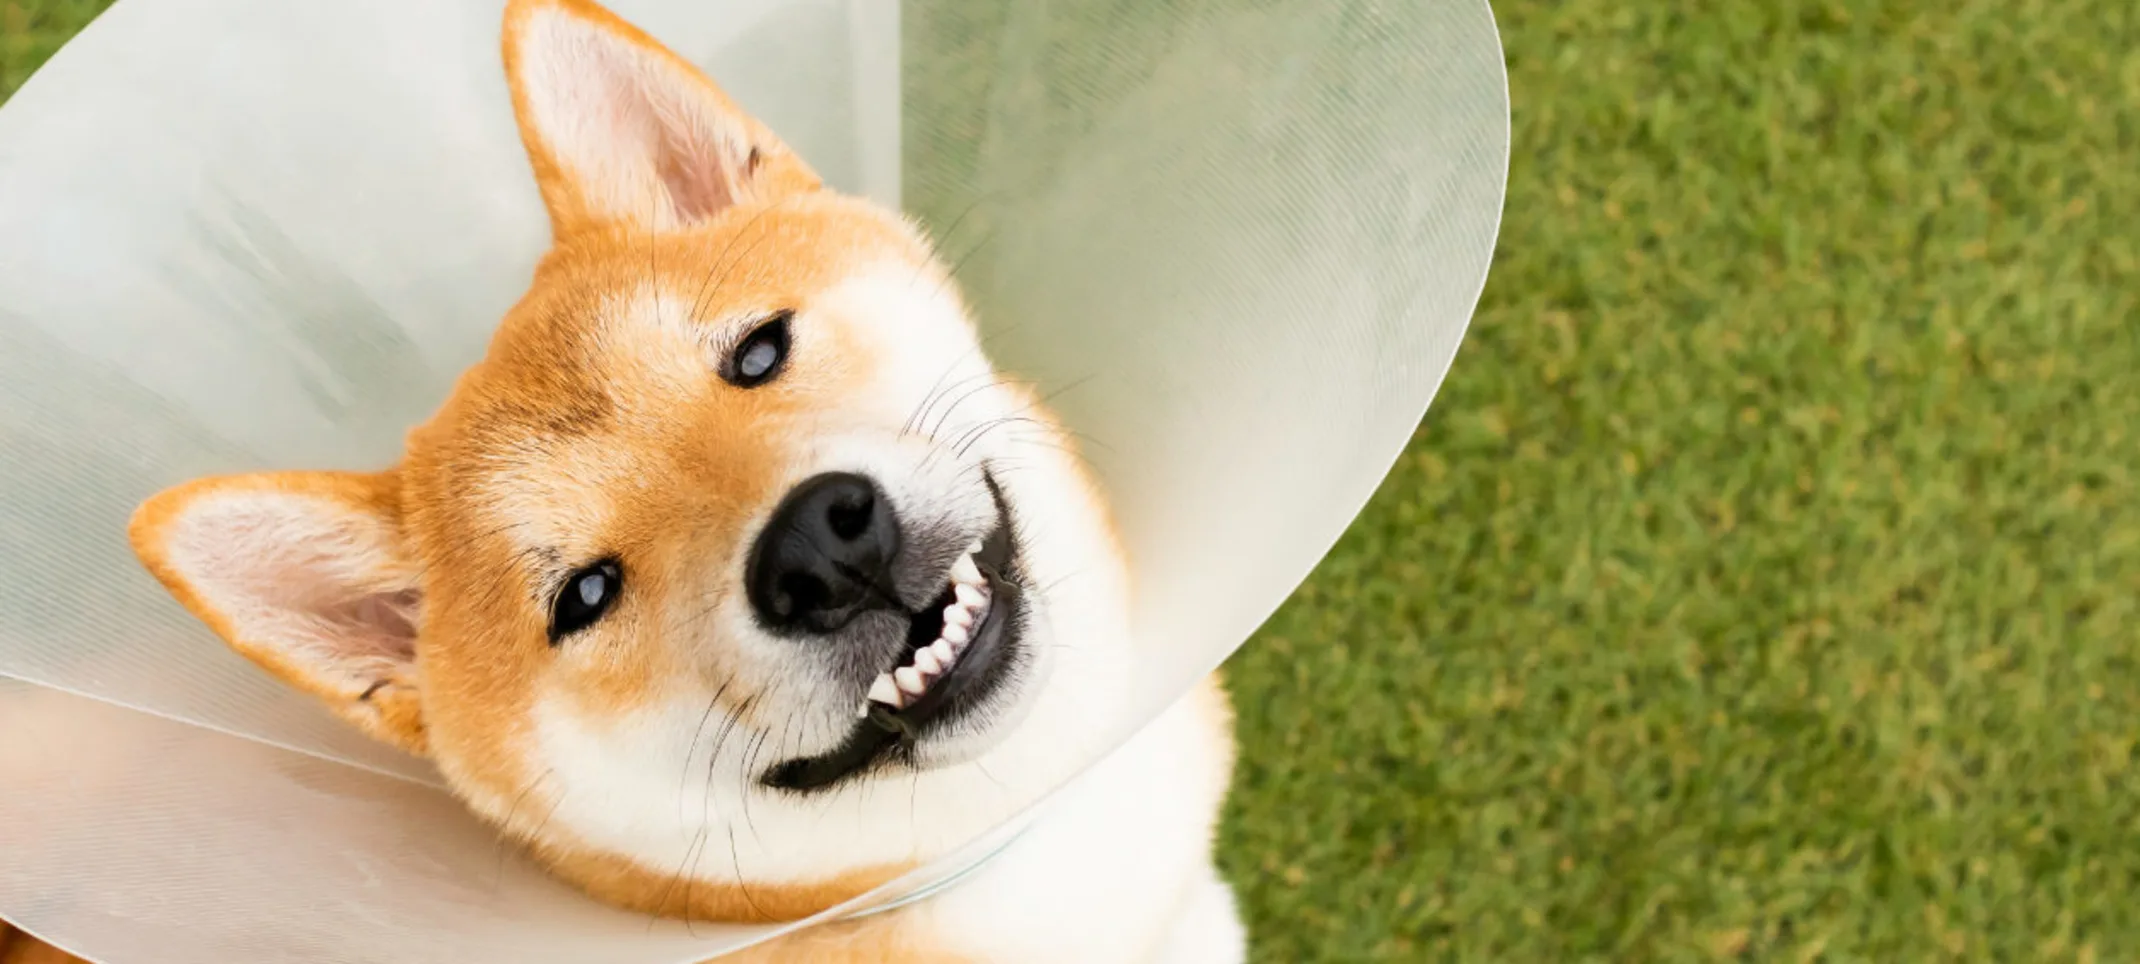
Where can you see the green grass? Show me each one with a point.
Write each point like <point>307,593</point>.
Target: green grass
<point>1762,585</point>
<point>30,30</point>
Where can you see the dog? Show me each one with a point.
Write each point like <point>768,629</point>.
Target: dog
<point>17,947</point>
<point>734,580</point>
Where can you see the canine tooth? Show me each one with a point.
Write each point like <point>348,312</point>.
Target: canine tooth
<point>975,549</point>
<point>957,634</point>
<point>883,690</point>
<point>928,662</point>
<point>946,652</point>
<point>970,597</point>
<point>964,572</point>
<point>910,681</point>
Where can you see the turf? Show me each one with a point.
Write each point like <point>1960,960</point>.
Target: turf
<point>1762,585</point>
<point>30,30</point>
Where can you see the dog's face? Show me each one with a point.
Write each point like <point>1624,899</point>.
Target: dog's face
<point>733,579</point>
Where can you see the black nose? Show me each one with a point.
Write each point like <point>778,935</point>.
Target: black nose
<point>825,556</point>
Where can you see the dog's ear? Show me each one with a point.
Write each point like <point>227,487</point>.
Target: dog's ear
<point>623,132</point>
<point>307,574</point>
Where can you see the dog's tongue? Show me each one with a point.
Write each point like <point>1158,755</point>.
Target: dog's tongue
<point>248,234</point>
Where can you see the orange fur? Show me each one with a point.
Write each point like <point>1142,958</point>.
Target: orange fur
<point>623,884</point>
<point>17,947</point>
<point>563,408</point>
<point>879,940</point>
<point>886,939</point>
<point>776,170</point>
<point>717,464</point>
<point>594,427</point>
<point>389,713</point>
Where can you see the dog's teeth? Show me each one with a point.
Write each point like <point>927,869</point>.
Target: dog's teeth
<point>957,634</point>
<point>946,652</point>
<point>970,597</point>
<point>957,615</point>
<point>910,681</point>
<point>965,573</point>
<point>928,662</point>
<point>883,690</point>
<point>975,549</point>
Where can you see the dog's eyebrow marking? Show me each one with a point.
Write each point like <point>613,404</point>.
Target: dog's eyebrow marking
<point>547,382</point>
<point>577,418</point>
<point>578,413</point>
<point>549,569</point>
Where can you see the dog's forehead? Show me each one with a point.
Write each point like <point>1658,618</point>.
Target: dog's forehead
<point>783,249</point>
<point>622,318</point>
<point>605,375</point>
<point>555,466</point>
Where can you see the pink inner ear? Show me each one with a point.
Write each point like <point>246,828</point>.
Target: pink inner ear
<point>625,122</point>
<point>314,580</point>
<point>696,184</point>
<point>380,625</point>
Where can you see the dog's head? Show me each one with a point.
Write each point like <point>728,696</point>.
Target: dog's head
<point>733,579</point>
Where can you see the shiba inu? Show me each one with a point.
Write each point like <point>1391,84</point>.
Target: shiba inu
<point>734,580</point>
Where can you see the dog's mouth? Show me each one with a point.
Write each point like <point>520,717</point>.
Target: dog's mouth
<point>960,649</point>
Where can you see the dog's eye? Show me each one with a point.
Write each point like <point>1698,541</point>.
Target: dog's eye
<point>761,354</point>
<point>587,594</point>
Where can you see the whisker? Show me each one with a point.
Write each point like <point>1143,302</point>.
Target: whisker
<point>736,859</point>
<point>951,274</point>
<point>707,284</point>
<point>505,838</point>
<point>936,395</point>
<point>954,406</point>
<point>683,877</point>
<point>697,732</point>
